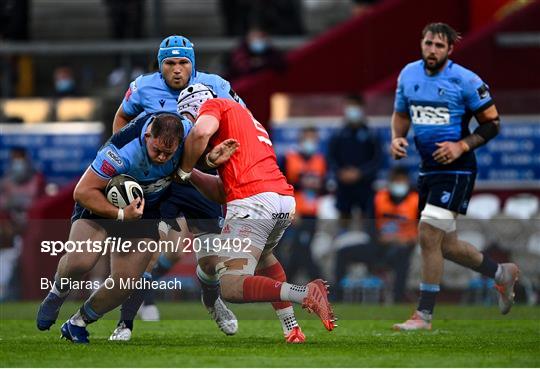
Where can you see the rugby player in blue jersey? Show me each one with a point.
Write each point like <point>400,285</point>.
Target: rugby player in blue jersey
<point>439,97</point>
<point>159,91</point>
<point>149,150</point>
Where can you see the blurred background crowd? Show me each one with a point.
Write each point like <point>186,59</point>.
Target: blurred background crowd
<point>320,75</point>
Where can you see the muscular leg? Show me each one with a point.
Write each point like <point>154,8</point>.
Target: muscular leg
<point>465,254</point>
<point>76,264</point>
<point>432,256</point>
<point>72,266</point>
<point>124,266</point>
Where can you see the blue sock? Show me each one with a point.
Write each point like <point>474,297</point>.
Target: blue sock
<point>487,267</point>
<point>162,267</point>
<point>88,314</point>
<point>428,293</point>
<point>209,286</point>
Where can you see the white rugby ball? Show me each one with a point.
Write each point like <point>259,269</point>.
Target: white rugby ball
<point>122,190</point>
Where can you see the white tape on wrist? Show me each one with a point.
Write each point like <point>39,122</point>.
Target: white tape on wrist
<point>209,164</point>
<point>120,215</point>
<point>184,176</point>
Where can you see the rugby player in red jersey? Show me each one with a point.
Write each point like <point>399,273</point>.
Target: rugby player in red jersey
<point>260,205</point>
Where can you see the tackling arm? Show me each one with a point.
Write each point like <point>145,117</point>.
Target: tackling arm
<point>197,141</point>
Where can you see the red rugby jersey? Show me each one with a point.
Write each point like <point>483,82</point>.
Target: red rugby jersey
<point>253,168</point>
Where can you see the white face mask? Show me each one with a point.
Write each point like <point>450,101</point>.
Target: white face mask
<point>354,114</point>
<point>258,46</point>
<point>308,147</point>
<point>398,189</point>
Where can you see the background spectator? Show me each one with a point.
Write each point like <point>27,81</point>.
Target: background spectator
<point>64,82</point>
<point>254,53</point>
<point>396,213</point>
<point>19,188</point>
<point>305,169</point>
<point>355,158</point>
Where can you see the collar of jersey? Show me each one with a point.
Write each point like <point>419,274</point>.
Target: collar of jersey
<point>447,66</point>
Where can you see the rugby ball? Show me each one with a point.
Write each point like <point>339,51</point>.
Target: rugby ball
<point>122,190</point>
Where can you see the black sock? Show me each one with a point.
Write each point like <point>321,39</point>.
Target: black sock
<point>428,293</point>
<point>210,293</point>
<point>487,267</point>
<point>128,310</point>
<point>149,297</point>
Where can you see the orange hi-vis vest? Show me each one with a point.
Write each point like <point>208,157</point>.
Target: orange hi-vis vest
<point>296,166</point>
<point>396,221</point>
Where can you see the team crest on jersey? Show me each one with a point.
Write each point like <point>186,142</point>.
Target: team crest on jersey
<point>483,91</point>
<point>429,112</point>
<point>445,197</point>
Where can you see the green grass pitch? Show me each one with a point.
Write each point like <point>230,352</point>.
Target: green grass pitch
<point>186,337</point>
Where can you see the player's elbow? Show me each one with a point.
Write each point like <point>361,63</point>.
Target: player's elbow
<point>81,192</point>
<point>203,133</point>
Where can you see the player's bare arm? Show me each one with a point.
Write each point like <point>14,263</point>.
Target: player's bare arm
<point>488,128</point>
<point>209,185</point>
<point>197,141</point>
<point>400,126</point>
<point>120,119</point>
<point>89,194</point>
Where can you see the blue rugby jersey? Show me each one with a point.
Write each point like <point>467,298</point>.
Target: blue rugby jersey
<point>440,108</point>
<point>149,93</point>
<point>125,153</point>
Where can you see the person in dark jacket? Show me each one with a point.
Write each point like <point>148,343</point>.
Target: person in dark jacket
<point>355,157</point>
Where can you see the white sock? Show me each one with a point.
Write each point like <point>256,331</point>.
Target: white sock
<point>499,274</point>
<point>77,320</point>
<point>287,319</point>
<point>293,292</point>
<point>57,292</point>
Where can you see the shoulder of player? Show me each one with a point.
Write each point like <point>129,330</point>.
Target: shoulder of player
<point>145,80</point>
<point>214,81</point>
<point>462,74</point>
<point>411,68</point>
<point>131,132</point>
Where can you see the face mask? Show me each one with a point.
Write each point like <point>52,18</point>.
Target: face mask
<point>257,46</point>
<point>354,114</point>
<point>64,85</point>
<point>19,169</point>
<point>399,189</point>
<point>308,147</point>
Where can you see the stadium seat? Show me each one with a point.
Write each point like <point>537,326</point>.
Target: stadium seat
<point>522,206</point>
<point>29,110</point>
<point>76,109</point>
<point>475,238</point>
<point>508,232</point>
<point>351,238</point>
<point>483,206</point>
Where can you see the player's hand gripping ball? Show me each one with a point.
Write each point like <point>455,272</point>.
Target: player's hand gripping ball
<point>122,190</point>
